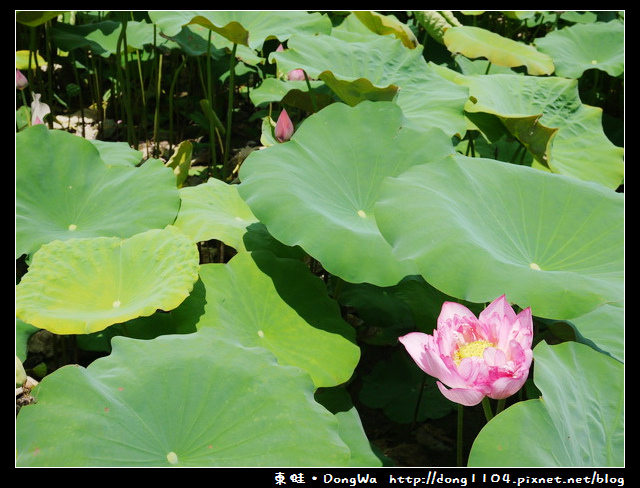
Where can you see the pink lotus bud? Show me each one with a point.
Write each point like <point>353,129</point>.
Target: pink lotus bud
<point>296,75</point>
<point>476,357</point>
<point>21,80</point>
<point>284,127</point>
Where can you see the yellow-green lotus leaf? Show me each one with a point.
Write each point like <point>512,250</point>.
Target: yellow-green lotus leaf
<point>475,42</point>
<point>79,286</point>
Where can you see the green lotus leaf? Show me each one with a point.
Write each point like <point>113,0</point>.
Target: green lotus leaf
<point>64,190</point>
<point>475,42</point>
<point>102,38</point>
<point>436,22</point>
<point>353,70</point>
<point>318,189</point>
<point>578,48</point>
<point>357,90</point>
<point>80,286</point>
<point>26,59</point>
<point>257,238</point>
<point>375,68</point>
<point>580,147</point>
<point>477,228</point>
<point>533,135</point>
<point>194,400</point>
<point>35,18</point>
<point>338,401</point>
<point>214,210</point>
<point>293,94</point>
<point>180,161</point>
<point>117,152</point>
<point>180,320</point>
<point>23,332</point>
<point>387,25</point>
<point>603,329</point>
<point>580,17</point>
<point>245,27</point>
<point>276,303</point>
<point>578,421</point>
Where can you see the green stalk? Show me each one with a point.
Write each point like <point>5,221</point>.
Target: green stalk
<point>123,78</point>
<point>49,71</point>
<point>96,90</point>
<point>156,115</point>
<point>471,149</point>
<point>76,76</point>
<point>500,406</point>
<point>227,139</point>
<point>143,112</point>
<point>172,88</point>
<point>487,408</point>
<point>212,135</point>
<point>311,95</point>
<point>416,410</point>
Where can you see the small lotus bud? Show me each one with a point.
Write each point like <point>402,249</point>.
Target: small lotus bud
<point>21,80</point>
<point>296,75</point>
<point>284,127</point>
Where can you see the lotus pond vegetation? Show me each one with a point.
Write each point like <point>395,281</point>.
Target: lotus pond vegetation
<point>319,238</point>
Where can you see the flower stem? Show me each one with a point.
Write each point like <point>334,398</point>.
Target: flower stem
<point>227,139</point>
<point>459,441</point>
<point>487,408</point>
<point>500,406</point>
<point>311,95</point>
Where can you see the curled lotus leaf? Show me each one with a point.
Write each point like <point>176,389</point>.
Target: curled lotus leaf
<point>79,286</point>
<point>475,42</point>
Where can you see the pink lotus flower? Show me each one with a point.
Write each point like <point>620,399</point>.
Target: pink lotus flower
<point>476,357</point>
<point>284,127</point>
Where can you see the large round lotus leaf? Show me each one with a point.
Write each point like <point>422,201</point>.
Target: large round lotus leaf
<point>179,400</point>
<point>276,303</point>
<point>580,47</point>
<point>318,189</point>
<point>478,228</point>
<point>214,210</point>
<point>475,42</point>
<point>578,421</point>
<point>64,190</point>
<point>80,286</point>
